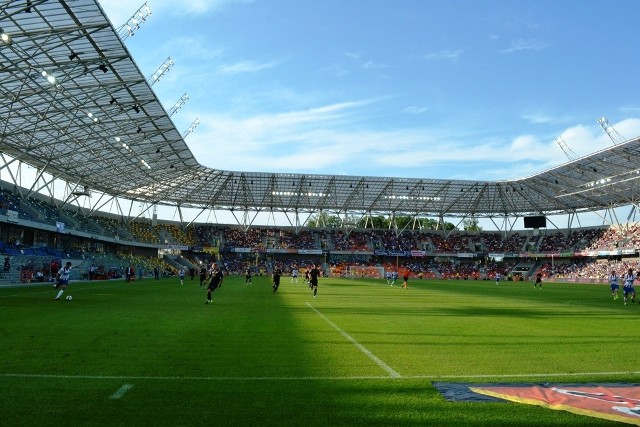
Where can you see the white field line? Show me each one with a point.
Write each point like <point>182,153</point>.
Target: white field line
<point>121,391</point>
<point>345,378</point>
<point>362,348</point>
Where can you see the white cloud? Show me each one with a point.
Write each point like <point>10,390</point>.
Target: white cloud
<point>327,140</point>
<point>444,55</point>
<point>353,55</point>
<point>242,67</point>
<point>335,70</point>
<point>539,118</point>
<point>525,44</point>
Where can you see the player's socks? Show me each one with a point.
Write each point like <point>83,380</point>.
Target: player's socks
<point>60,292</point>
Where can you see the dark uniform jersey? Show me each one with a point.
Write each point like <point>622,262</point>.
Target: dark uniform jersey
<point>313,275</point>
<point>216,278</point>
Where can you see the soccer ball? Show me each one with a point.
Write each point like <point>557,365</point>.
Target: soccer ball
<point>69,297</point>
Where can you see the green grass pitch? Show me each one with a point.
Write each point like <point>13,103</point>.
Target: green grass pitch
<point>362,353</point>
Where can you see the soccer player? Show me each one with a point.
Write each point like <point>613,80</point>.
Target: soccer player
<point>394,277</point>
<point>277,273</point>
<point>313,279</point>
<point>499,277</point>
<point>181,274</point>
<point>63,279</point>
<point>613,282</point>
<point>628,288</point>
<point>294,275</point>
<point>405,279</point>
<point>388,276</point>
<point>538,280</point>
<point>215,281</point>
<point>203,276</point>
<point>128,273</point>
<point>247,276</point>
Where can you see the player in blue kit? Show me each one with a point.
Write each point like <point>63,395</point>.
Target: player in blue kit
<point>613,282</point>
<point>62,279</point>
<point>628,288</point>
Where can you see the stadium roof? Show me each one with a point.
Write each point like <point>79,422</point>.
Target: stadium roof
<point>76,106</point>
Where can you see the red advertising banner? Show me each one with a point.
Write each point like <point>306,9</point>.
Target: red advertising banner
<point>612,402</point>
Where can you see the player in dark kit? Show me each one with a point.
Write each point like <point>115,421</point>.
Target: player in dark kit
<point>314,273</point>
<point>203,276</point>
<point>214,282</point>
<point>277,273</point>
<point>538,281</point>
<point>247,276</point>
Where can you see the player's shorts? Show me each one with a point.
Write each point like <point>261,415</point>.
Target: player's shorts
<point>212,286</point>
<point>615,286</point>
<point>62,282</point>
<point>629,290</point>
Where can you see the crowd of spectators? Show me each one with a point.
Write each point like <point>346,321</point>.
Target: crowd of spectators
<point>390,241</point>
<point>617,237</point>
<point>353,241</point>
<point>301,240</point>
<point>494,242</point>
<point>260,239</point>
<point>587,268</point>
<point>454,243</point>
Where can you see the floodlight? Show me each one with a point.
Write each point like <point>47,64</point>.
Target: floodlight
<point>51,79</point>
<point>138,18</point>
<point>6,39</point>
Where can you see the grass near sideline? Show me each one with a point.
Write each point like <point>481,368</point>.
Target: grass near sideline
<point>362,353</point>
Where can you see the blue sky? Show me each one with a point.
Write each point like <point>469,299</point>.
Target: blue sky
<point>410,88</point>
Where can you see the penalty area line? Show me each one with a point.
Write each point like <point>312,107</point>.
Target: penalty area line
<point>362,348</point>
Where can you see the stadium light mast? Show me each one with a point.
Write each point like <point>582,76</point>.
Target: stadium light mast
<point>133,24</point>
<point>193,127</point>
<point>183,100</point>
<point>155,77</point>
<point>613,134</point>
<point>571,155</point>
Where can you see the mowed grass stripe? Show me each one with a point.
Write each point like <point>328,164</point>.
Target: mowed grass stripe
<point>457,328</point>
<point>268,359</point>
